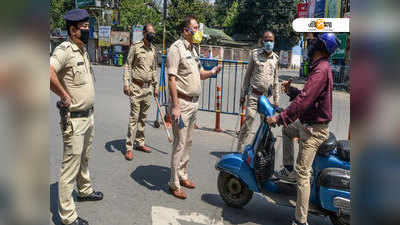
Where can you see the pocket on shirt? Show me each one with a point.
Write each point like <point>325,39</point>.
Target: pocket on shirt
<point>79,76</point>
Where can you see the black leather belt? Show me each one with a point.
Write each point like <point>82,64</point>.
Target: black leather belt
<point>188,98</point>
<point>80,114</point>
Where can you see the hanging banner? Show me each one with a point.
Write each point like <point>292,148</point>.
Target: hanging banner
<point>104,36</point>
<point>311,9</point>
<point>120,38</point>
<point>332,8</point>
<point>319,11</point>
<point>302,10</point>
<point>137,33</point>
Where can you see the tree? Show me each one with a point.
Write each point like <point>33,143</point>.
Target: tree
<point>256,16</point>
<point>231,18</point>
<point>57,10</point>
<point>221,8</point>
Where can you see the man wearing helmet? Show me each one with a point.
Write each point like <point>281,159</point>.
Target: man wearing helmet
<point>307,117</point>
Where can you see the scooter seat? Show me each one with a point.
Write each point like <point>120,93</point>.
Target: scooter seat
<point>327,146</point>
<point>343,150</point>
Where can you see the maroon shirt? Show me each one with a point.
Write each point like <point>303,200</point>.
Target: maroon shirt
<point>313,104</point>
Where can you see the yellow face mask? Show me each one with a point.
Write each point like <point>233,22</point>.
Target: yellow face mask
<point>197,37</point>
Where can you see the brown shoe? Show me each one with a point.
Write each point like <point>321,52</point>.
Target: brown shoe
<point>144,148</point>
<point>187,184</point>
<point>129,155</point>
<point>179,193</point>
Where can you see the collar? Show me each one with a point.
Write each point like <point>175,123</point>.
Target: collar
<point>143,45</point>
<point>73,45</point>
<point>186,43</point>
<point>314,64</point>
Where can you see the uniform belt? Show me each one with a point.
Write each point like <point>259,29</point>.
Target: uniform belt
<point>141,84</point>
<point>257,92</point>
<point>188,98</point>
<point>80,114</point>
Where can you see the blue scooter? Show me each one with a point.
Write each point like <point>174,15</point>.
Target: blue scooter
<point>242,174</point>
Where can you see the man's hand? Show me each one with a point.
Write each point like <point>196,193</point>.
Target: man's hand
<point>285,86</point>
<point>127,90</point>
<point>271,120</point>
<point>155,93</point>
<point>66,100</point>
<point>242,100</point>
<point>176,113</point>
<point>216,69</point>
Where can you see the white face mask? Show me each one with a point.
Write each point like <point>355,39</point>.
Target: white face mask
<point>268,46</point>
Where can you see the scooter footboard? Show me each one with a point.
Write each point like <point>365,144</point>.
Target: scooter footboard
<point>235,165</point>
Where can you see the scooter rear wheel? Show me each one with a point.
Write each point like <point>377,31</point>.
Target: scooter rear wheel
<point>233,191</point>
<point>339,220</point>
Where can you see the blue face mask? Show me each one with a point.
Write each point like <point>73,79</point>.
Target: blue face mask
<point>268,46</point>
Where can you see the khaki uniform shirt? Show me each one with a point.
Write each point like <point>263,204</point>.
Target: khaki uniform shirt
<point>184,63</point>
<point>73,69</point>
<point>142,62</point>
<point>262,73</point>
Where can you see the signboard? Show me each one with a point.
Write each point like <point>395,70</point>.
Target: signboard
<point>311,9</point>
<point>341,51</point>
<point>120,38</point>
<point>104,36</point>
<point>137,33</point>
<point>283,58</point>
<point>332,8</point>
<point>302,10</point>
<point>319,11</point>
<point>85,3</point>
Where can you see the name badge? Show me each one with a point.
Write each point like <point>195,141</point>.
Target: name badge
<point>188,57</point>
<point>80,63</point>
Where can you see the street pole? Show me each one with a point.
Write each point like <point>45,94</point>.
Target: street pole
<point>164,19</point>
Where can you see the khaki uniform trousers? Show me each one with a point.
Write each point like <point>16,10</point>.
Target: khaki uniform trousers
<point>140,104</point>
<point>182,144</point>
<point>311,137</point>
<point>78,138</point>
<point>251,113</point>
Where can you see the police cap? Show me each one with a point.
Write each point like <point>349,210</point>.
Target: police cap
<point>76,15</point>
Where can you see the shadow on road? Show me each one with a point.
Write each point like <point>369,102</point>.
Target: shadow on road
<point>116,145</point>
<point>152,177</point>
<point>54,204</point>
<point>231,133</point>
<point>266,214</point>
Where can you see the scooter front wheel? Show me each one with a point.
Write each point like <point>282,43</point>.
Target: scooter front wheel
<point>340,220</point>
<point>233,191</point>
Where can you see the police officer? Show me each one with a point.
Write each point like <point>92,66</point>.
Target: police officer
<point>141,69</point>
<point>261,77</point>
<point>72,79</point>
<point>184,75</point>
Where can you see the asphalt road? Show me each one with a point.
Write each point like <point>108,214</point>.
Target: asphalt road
<point>136,191</point>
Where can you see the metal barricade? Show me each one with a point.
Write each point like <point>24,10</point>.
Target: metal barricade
<point>229,79</point>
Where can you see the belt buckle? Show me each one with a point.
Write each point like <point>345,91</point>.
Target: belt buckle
<point>146,85</point>
<point>194,99</point>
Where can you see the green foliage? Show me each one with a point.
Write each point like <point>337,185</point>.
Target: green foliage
<point>57,10</point>
<point>231,17</point>
<point>135,12</point>
<point>256,16</point>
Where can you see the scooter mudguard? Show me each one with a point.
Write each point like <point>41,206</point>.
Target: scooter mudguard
<point>327,194</point>
<point>235,165</point>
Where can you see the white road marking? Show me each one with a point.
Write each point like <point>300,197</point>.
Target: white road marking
<point>167,216</point>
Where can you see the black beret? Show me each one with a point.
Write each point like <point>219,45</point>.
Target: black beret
<point>76,15</point>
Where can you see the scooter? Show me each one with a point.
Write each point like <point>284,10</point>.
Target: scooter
<point>242,174</point>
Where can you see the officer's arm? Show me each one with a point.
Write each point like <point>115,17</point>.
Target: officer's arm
<point>172,67</point>
<point>128,66</point>
<point>154,67</point>
<point>276,85</point>
<point>55,85</point>
<point>57,62</point>
<point>246,80</point>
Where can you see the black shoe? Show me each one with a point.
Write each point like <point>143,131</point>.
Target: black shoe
<point>95,196</point>
<point>79,221</point>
